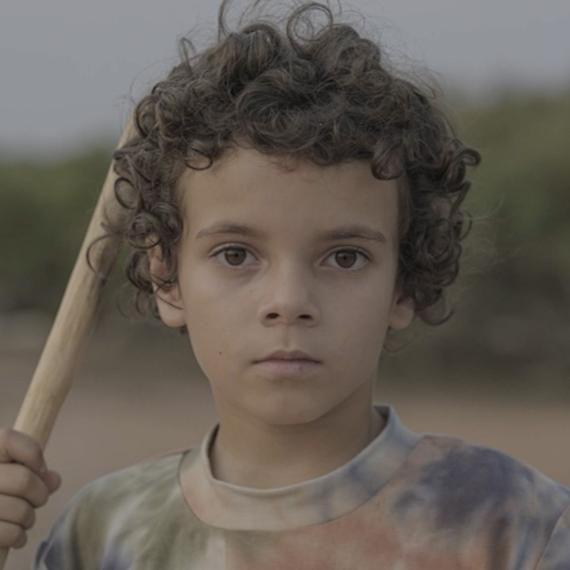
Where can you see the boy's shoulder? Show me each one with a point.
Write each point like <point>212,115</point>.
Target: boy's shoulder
<point>114,512</point>
<point>156,474</point>
<point>461,480</point>
<point>150,481</point>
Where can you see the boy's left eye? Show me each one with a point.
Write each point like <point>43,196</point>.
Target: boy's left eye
<point>344,257</point>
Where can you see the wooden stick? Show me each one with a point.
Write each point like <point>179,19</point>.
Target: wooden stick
<point>66,342</point>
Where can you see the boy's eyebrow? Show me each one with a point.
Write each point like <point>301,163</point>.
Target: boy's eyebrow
<point>351,231</point>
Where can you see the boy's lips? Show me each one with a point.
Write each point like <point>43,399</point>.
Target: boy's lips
<point>288,355</point>
<point>291,368</point>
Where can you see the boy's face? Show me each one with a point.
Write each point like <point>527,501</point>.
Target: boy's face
<point>288,287</point>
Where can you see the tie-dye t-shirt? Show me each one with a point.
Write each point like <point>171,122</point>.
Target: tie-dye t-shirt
<point>407,501</point>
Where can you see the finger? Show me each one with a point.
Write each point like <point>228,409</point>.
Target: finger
<point>19,481</point>
<point>22,541</point>
<point>17,511</point>
<point>16,446</point>
<point>12,535</point>
<point>52,479</point>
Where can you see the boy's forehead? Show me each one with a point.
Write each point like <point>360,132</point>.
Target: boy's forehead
<point>248,185</point>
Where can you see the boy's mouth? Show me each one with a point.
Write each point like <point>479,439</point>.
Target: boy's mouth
<point>287,368</point>
<point>297,356</point>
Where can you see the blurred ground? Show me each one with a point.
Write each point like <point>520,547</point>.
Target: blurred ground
<point>130,402</point>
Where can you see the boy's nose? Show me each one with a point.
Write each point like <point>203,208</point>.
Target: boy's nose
<point>289,297</point>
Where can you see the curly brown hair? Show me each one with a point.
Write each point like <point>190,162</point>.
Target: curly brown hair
<point>327,98</point>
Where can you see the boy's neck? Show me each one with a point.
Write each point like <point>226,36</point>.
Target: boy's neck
<point>245,455</point>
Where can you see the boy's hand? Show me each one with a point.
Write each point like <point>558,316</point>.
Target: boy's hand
<point>23,485</point>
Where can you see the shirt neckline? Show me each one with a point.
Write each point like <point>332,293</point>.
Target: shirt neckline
<point>324,498</point>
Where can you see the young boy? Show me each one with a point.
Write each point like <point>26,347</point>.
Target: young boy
<point>293,203</point>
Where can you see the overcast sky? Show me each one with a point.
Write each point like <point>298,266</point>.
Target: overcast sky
<point>69,67</point>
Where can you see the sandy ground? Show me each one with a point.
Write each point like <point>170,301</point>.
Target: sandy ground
<point>126,406</point>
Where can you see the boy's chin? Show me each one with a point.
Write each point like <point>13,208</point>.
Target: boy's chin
<point>292,414</point>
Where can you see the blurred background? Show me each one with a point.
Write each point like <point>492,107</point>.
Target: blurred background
<point>497,374</point>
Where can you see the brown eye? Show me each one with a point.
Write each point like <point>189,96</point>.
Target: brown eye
<point>232,255</point>
<point>346,257</point>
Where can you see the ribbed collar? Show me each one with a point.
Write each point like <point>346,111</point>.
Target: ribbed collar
<point>224,505</point>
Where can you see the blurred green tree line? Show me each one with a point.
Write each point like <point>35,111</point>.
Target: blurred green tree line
<point>513,295</point>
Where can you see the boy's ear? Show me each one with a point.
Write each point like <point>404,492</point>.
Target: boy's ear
<point>402,311</point>
<point>168,299</point>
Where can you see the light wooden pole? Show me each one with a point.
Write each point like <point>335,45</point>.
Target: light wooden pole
<point>73,322</point>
